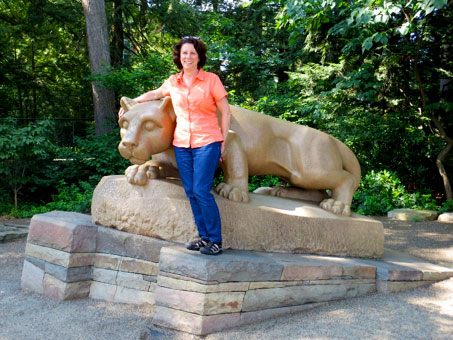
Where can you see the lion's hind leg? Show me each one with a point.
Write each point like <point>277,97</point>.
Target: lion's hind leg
<point>295,193</point>
<point>342,193</point>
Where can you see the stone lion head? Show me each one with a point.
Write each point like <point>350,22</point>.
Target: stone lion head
<point>146,128</point>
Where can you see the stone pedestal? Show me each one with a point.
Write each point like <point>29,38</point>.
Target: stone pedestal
<point>68,257</point>
<point>161,210</point>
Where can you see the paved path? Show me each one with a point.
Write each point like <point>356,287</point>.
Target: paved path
<point>423,313</point>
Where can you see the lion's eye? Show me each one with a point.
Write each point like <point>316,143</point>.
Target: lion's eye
<point>149,125</point>
<point>125,124</point>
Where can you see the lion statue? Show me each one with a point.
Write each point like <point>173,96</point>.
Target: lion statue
<point>257,144</point>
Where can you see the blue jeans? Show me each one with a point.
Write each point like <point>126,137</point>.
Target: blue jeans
<point>197,168</point>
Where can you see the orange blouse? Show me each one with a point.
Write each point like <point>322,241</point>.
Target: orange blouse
<point>197,124</point>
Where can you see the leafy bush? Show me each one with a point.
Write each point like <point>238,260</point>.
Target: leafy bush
<point>447,206</point>
<point>380,192</point>
<point>256,182</point>
<point>74,197</point>
<point>26,153</point>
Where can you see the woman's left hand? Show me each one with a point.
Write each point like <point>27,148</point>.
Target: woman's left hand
<point>222,149</point>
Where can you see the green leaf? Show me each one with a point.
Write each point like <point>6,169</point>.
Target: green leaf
<point>367,44</point>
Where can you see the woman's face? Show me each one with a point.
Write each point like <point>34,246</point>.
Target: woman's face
<point>189,57</point>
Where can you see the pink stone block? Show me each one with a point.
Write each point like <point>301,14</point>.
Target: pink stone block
<point>301,272</point>
<point>194,323</point>
<point>70,232</point>
<point>59,290</point>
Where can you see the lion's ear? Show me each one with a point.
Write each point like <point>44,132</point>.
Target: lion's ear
<point>127,103</point>
<point>167,107</point>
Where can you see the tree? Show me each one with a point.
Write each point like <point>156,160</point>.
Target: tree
<point>389,52</point>
<point>99,50</point>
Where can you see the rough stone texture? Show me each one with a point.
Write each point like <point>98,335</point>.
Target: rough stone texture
<point>59,257</point>
<point>398,286</point>
<point>234,265</point>
<point>200,303</point>
<point>114,242</point>
<point>107,261</point>
<point>11,232</point>
<point>104,275</point>
<point>412,215</point>
<point>128,295</point>
<point>181,284</point>
<point>72,274</point>
<point>299,295</point>
<point>203,294</point>
<point>132,280</point>
<point>139,266</point>
<point>397,266</point>
<point>68,231</point>
<point>445,217</point>
<point>193,323</point>
<point>32,278</point>
<point>160,209</point>
<point>60,290</point>
<point>102,291</point>
<point>250,317</point>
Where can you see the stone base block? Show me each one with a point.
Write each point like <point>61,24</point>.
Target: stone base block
<point>202,294</point>
<point>412,215</point>
<point>160,209</point>
<point>195,293</point>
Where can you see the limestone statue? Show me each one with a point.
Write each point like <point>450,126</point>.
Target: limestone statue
<point>257,144</point>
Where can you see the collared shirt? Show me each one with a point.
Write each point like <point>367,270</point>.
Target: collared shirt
<point>195,107</point>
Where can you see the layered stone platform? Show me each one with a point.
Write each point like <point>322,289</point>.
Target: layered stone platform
<point>67,257</point>
<point>160,209</point>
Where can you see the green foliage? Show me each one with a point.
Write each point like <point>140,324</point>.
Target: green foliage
<point>74,197</point>
<point>256,182</point>
<point>447,206</point>
<point>142,75</point>
<point>26,153</point>
<point>97,156</point>
<point>382,191</point>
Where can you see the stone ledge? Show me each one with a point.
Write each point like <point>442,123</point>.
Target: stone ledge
<point>160,209</point>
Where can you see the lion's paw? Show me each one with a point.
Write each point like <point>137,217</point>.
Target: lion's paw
<point>232,193</point>
<point>279,191</point>
<point>139,174</point>
<point>336,207</point>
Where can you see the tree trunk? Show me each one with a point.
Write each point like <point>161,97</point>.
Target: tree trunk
<point>98,47</point>
<point>437,123</point>
<point>118,34</point>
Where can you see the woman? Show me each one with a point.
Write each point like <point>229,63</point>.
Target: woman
<point>198,142</point>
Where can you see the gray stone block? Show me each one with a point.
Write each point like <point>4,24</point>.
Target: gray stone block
<point>232,265</point>
<point>260,299</point>
<point>32,278</point>
<point>104,275</point>
<point>116,242</point>
<point>35,261</point>
<point>131,280</point>
<point>72,274</point>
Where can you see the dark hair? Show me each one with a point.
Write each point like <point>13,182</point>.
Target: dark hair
<point>200,47</point>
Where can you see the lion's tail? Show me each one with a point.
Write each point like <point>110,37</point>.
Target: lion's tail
<point>350,162</point>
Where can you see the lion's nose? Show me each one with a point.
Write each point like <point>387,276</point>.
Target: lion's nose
<point>129,144</point>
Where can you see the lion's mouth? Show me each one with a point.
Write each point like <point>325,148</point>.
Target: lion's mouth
<point>137,161</point>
